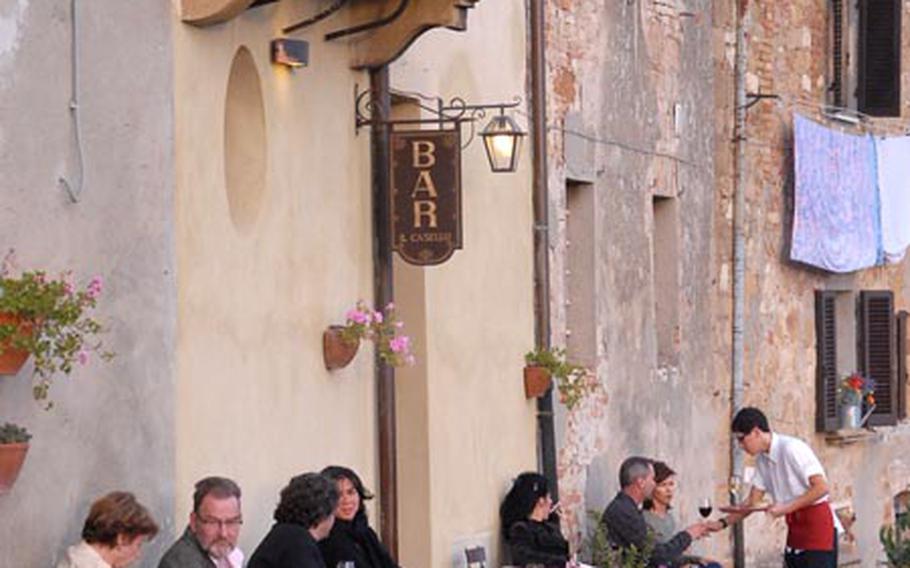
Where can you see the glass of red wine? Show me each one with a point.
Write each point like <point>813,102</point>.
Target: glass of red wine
<point>704,508</point>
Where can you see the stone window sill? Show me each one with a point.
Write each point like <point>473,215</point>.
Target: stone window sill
<point>846,437</point>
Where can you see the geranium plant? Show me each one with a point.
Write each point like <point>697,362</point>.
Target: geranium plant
<point>382,328</point>
<point>856,389</point>
<point>49,319</point>
<point>574,382</point>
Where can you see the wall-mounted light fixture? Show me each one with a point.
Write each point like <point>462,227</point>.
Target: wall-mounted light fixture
<point>292,53</point>
<point>502,140</point>
<point>501,136</point>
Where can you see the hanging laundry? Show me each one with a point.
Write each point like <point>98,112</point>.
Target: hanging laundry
<point>836,217</point>
<point>893,158</point>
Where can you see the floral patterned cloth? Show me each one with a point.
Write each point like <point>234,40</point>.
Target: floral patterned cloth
<point>836,222</point>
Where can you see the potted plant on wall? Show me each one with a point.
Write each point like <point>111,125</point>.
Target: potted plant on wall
<point>13,447</point>
<point>574,382</point>
<point>48,319</point>
<point>340,342</point>
<point>854,391</point>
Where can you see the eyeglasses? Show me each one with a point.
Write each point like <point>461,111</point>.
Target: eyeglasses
<point>230,524</point>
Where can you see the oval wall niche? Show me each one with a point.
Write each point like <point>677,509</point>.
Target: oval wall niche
<point>245,151</point>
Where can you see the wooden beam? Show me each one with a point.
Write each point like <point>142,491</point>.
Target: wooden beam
<point>383,45</point>
<point>208,12</point>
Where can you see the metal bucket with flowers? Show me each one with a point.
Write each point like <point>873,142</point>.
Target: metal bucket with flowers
<point>856,391</point>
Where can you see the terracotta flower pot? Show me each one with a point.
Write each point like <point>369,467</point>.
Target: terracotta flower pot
<point>11,360</point>
<point>11,458</point>
<point>537,381</point>
<point>337,352</point>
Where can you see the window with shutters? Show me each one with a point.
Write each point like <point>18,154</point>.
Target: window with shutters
<point>826,368</point>
<point>902,364</point>
<point>879,54</point>
<point>878,357</point>
<point>860,334</point>
<point>837,69</point>
<point>864,65</point>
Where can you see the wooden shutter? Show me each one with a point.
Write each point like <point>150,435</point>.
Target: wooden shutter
<point>879,72</point>
<point>836,85</point>
<point>826,365</point>
<point>902,364</point>
<point>877,353</point>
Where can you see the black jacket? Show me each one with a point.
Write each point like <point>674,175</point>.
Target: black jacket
<point>626,527</point>
<point>355,540</point>
<point>533,542</point>
<point>287,546</point>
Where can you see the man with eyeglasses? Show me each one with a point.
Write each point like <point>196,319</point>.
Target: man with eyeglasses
<point>788,469</point>
<point>211,537</point>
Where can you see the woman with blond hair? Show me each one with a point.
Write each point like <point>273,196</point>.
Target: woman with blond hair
<point>113,534</point>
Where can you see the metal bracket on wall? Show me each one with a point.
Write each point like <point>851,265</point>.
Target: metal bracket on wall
<point>455,111</point>
<point>754,98</point>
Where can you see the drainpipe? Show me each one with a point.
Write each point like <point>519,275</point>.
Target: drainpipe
<point>545,430</point>
<point>739,263</point>
<point>383,294</point>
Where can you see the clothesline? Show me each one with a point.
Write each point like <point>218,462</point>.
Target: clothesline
<point>867,124</point>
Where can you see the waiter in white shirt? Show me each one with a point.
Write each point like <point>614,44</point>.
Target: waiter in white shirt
<point>788,470</point>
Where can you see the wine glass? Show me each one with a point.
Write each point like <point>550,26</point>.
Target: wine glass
<point>704,508</point>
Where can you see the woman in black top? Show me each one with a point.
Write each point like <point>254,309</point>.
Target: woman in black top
<point>303,517</point>
<point>531,536</point>
<point>352,539</point>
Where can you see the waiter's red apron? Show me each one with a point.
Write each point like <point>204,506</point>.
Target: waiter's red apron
<point>811,528</point>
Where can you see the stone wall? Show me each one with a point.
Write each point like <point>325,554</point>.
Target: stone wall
<point>631,120</point>
<point>788,56</point>
<point>112,425</point>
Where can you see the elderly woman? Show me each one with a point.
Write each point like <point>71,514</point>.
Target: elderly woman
<point>352,539</point>
<point>304,516</point>
<point>657,512</point>
<point>113,534</point>
<point>529,533</point>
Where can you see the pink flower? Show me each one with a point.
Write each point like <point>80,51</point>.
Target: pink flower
<point>400,343</point>
<point>410,360</point>
<point>358,316</point>
<point>390,306</point>
<point>94,287</point>
<point>82,357</point>
<point>377,317</point>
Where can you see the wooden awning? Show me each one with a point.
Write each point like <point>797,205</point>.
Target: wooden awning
<point>380,30</point>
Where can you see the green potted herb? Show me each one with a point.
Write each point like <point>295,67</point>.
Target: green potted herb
<point>48,319</point>
<point>574,382</point>
<point>13,447</point>
<point>896,542</point>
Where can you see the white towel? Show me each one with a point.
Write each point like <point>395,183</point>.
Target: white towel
<point>893,161</point>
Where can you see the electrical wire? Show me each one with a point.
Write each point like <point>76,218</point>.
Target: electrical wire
<point>75,193</point>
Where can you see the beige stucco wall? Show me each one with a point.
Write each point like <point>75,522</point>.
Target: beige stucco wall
<point>254,400</point>
<point>477,309</point>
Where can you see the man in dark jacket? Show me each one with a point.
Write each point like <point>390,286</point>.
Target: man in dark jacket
<point>210,539</point>
<point>626,527</point>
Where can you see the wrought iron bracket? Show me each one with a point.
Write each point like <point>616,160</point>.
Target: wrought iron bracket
<point>453,112</point>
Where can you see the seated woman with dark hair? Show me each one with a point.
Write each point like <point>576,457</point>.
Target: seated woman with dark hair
<point>113,534</point>
<point>352,539</point>
<point>303,517</point>
<point>525,516</point>
<point>660,520</point>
